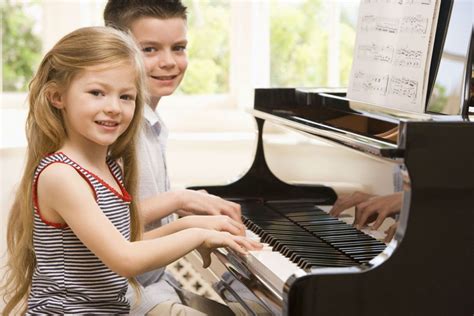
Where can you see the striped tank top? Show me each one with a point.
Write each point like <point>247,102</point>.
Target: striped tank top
<point>69,278</point>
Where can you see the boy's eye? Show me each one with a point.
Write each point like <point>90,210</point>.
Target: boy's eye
<point>180,48</point>
<point>96,93</point>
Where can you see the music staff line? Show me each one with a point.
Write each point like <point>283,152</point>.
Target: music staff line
<point>386,85</point>
<point>402,57</point>
<point>400,2</point>
<point>405,25</point>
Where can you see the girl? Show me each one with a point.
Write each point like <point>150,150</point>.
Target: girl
<point>73,232</point>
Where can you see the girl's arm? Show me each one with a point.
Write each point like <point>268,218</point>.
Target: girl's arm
<point>75,205</point>
<point>187,202</point>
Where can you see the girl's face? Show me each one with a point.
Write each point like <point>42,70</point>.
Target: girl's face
<point>163,43</point>
<point>99,104</point>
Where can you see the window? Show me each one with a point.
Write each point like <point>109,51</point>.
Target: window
<point>311,42</point>
<point>235,46</point>
<point>21,44</point>
<point>208,49</point>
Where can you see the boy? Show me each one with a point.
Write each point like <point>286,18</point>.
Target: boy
<point>160,29</point>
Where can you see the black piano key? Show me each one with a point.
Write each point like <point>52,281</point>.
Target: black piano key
<point>287,235</point>
<point>309,236</point>
<point>284,233</point>
<point>329,233</point>
<point>329,228</point>
<point>357,243</point>
<point>270,220</point>
<point>321,222</point>
<point>293,228</point>
<point>304,206</point>
<point>313,263</point>
<point>292,251</point>
<point>340,257</point>
<point>351,237</point>
<point>308,218</point>
<point>314,249</point>
<point>276,243</point>
<point>360,250</point>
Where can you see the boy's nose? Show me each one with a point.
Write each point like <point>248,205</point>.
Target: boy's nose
<point>166,60</point>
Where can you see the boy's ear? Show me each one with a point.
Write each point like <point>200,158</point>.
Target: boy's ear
<point>56,98</point>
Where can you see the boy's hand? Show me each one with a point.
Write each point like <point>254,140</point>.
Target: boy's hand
<point>347,201</point>
<point>377,209</point>
<point>391,232</point>
<point>201,203</point>
<point>216,222</point>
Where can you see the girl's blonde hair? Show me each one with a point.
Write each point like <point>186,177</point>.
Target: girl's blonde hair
<point>46,133</point>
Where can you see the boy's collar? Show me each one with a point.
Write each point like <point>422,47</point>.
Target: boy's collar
<point>150,115</point>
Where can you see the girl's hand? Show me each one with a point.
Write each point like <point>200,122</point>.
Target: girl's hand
<point>213,240</point>
<point>216,222</point>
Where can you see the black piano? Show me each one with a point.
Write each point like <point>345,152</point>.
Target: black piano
<point>331,268</point>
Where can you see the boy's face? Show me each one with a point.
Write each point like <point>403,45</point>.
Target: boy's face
<point>163,43</point>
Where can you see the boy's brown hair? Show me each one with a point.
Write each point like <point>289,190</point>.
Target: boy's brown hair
<point>121,14</point>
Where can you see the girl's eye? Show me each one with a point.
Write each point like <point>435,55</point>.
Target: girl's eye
<point>148,49</point>
<point>96,93</point>
<point>128,97</point>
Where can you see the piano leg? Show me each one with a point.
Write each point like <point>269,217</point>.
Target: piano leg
<point>241,298</point>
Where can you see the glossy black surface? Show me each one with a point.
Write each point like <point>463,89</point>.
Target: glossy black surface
<point>307,235</point>
<point>430,272</point>
<point>428,269</point>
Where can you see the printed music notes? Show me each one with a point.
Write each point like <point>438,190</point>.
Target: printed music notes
<point>392,53</point>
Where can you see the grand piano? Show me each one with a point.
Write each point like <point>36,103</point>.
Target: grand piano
<point>315,264</point>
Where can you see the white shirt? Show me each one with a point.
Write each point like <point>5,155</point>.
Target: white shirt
<point>153,180</point>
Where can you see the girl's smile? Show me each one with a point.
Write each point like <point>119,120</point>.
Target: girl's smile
<point>98,108</point>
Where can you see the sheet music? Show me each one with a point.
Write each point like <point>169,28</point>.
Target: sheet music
<point>392,53</point>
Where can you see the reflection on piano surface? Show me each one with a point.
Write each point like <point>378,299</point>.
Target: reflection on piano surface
<point>315,264</point>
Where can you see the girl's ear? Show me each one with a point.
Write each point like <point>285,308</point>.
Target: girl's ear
<point>56,98</point>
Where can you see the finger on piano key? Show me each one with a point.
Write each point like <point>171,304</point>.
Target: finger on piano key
<point>348,217</point>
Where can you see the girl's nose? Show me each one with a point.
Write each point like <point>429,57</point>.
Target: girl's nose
<point>113,106</point>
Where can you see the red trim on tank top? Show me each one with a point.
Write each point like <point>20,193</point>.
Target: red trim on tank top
<point>35,194</point>
<point>125,196</point>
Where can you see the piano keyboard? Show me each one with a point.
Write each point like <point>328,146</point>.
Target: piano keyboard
<point>299,236</point>
<point>271,265</point>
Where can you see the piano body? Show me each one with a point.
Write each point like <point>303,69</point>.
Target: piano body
<point>318,265</point>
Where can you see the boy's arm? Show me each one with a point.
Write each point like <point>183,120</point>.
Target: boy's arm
<point>187,202</point>
<point>213,222</point>
<point>158,206</point>
<point>99,235</point>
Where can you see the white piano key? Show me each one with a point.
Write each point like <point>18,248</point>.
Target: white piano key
<point>251,235</point>
<point>273,267</point>
<point>374,233</point>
